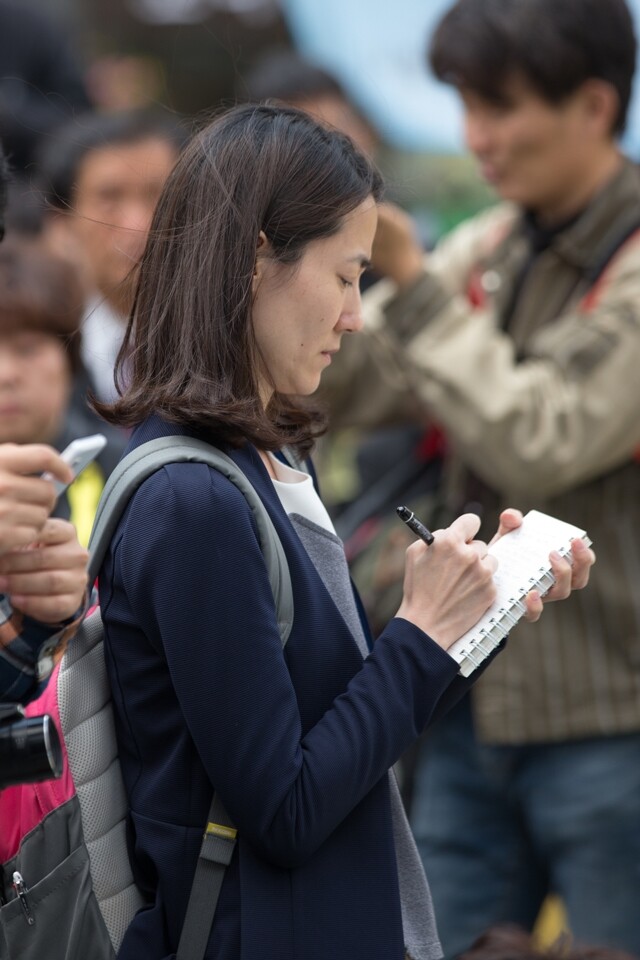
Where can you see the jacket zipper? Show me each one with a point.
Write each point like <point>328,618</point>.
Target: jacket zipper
<point>21,890</point>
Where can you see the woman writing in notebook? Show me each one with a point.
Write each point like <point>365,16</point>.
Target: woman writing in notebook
<point>246,288</point>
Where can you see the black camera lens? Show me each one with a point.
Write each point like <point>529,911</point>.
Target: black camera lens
<point>29,750</point>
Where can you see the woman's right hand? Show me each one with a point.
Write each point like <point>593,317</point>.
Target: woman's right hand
<point>448,585</point>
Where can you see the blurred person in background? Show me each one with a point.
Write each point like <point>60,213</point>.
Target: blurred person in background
<point>43,571</point>
<point>520,335</point>
<point>101,177</point>
<point>41,87</point>
<point>43,575</point>
<point>286,76</point>
<point>41,304</point>
<point>119,82</point>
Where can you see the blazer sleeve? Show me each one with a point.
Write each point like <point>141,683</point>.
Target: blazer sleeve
<point>196,580</point>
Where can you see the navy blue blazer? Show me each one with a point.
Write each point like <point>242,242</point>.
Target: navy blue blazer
<point>297,742</point>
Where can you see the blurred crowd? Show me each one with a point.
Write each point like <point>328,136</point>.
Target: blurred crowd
<point>496,369</point>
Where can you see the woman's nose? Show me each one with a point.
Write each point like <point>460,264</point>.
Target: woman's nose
<point>351,320</point>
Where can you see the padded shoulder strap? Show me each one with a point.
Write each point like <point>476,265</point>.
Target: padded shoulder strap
<point>150,457</point>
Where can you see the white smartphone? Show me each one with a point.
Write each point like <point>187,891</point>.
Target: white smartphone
<point>78,455</point>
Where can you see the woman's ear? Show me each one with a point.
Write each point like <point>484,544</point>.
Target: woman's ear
<point>263,255</point>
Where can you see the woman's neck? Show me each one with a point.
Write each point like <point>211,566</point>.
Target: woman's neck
<point>266,459</point>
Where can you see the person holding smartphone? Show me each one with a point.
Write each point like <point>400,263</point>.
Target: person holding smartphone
<point>43,578</point>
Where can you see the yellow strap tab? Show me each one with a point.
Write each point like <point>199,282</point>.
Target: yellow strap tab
<point>218,830</point>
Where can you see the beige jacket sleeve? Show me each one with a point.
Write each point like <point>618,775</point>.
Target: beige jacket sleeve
<point>568,413</point>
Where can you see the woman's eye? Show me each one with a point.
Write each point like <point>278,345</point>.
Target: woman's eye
<point>345,282</point>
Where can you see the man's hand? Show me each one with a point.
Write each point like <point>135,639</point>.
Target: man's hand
<point>26,500</point>
<point>569,576</point>
<point>397,253</point>
<point>48,579</point>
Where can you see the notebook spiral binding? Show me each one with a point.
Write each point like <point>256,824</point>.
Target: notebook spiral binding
<point>506,618</point>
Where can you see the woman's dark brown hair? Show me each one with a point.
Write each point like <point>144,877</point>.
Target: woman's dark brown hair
<point>189,354</point>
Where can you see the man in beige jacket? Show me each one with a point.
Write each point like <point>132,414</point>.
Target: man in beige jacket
<point>520,335</point>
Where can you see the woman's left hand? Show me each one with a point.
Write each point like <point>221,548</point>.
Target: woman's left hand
<point>569,576</point>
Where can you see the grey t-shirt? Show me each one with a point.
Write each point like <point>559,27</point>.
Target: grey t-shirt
<point>326,552</point>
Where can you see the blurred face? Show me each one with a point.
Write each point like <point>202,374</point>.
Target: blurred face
<point>115,196</point>
<point>335,112</point>
<point>302,310</point>
<point>535,153</point>
<point>35,383</point>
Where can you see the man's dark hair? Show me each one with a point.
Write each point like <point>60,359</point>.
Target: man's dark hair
<point>62,157</point>
<point>556,45</point>
<point>285,75</point>
<point>189,352</point>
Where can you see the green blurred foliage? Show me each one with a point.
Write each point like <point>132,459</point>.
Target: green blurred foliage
<point>439,190</point>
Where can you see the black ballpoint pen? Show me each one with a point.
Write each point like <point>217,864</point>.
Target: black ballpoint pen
<point>408,517</point>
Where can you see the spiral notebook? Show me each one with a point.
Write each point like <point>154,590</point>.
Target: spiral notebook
<point>523,565</point>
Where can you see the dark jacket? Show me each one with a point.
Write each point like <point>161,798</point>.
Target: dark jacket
<point>298,744</point>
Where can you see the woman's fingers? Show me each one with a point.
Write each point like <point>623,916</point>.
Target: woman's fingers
<point>463,528</point>
<point>455,574</point>
<point>510,519</point>
<point>448,585</point>
<point>583,559</point>
<point>570,574</point>
<point>482,550</point>
<point>534,606</point>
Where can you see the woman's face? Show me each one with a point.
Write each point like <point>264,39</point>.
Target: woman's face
<point>301,311</point>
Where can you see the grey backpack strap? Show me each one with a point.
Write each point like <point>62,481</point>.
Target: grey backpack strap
<point>151,456</point>
<point>215,855</point>
<point>220,835</point>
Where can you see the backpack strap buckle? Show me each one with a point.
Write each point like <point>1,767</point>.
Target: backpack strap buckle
<point>218,843</point>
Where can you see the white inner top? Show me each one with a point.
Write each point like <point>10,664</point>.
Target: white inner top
<point>297,494</point>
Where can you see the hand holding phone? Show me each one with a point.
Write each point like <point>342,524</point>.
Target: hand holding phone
<point>78,455</point>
